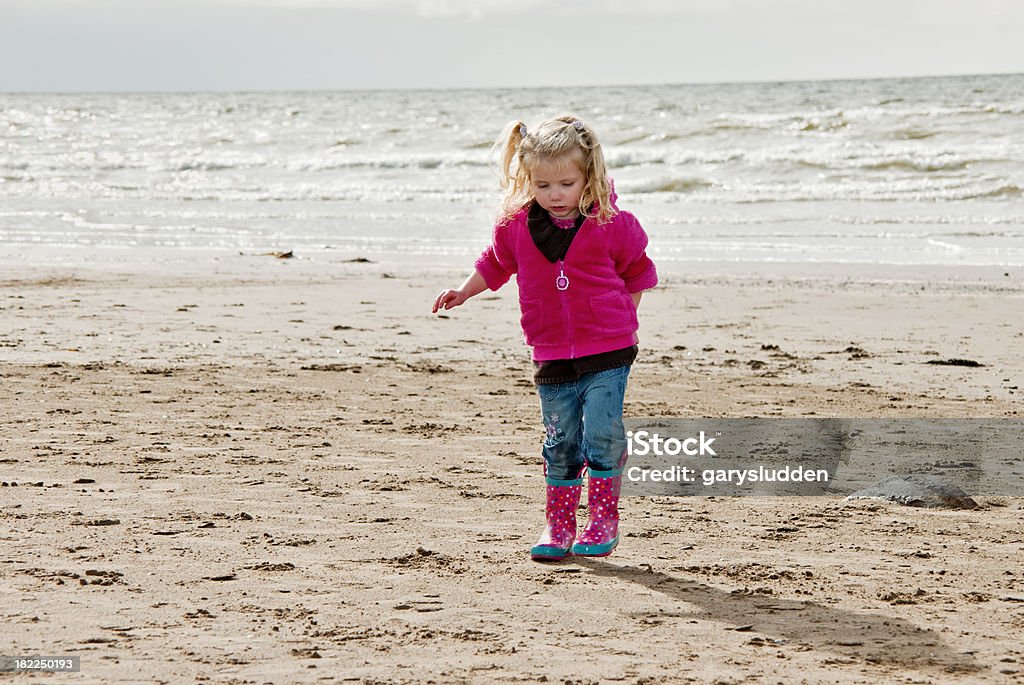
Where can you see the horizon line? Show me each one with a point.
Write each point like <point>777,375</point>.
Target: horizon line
<point>739,82</point>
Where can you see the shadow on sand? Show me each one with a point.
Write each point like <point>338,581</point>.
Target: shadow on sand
<point>866,637</point>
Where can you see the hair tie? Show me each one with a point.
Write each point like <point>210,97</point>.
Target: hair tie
<point>522,130</point>
<point>577,124</point>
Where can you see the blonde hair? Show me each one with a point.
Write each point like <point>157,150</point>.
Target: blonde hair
<point>521,148</point>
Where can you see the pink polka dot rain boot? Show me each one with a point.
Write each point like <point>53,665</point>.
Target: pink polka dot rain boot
<point>601,535</point>
<point>563,497</point>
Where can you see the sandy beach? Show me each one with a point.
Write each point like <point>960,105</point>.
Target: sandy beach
<point>233,468</point>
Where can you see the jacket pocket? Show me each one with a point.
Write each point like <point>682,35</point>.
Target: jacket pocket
<point>536,328</point>
<point>613,314</point>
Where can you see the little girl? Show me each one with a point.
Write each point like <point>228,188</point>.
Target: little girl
<point>581,267</point>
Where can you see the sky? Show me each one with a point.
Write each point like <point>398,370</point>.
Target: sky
<point>232,45</point>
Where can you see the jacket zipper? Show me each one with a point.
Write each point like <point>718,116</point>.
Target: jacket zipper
<point>564,296</point>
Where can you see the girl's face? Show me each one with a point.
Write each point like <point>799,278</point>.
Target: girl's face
<point>558,185</point>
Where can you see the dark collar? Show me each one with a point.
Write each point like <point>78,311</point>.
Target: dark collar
<point>552,241</point>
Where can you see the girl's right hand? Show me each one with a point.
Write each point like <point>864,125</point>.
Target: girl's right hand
<point>448,299</point>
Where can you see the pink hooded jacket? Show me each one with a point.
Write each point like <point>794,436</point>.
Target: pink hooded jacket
<point>595,313</point>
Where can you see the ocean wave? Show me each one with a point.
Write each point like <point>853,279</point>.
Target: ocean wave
<point>854,162</point>
<point>825,124</point>
<point>76,167</point>
<point>669,137</point>
<point>882,193</point>
<point>912,134</point>
<point>932,112</point>
<point>824,121</point>
<point>676,156</point>
<point>1008,191</point>
<point>942,244</point>
<point>1003,109</point>
<point>814,227</point>
<point>944,219</point>
<point>761,188</point>
<point>197,165</point>
<point>671,185</point>
<point>915,122</point>
<point>985,234</point>
<point>912,164</point>
<point>635,138</point>
<point>397,162</point>
<point>620,158</point>
<point>655,137</point>
<point>79,221</point>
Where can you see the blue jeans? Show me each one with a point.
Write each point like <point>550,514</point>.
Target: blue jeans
<point>583,420</point>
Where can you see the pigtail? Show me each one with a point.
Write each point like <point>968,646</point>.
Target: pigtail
<point>596,196</point>
<point>512,176</point>
<point>507,149</point>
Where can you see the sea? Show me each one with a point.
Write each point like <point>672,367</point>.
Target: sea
<point>923,171</point>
